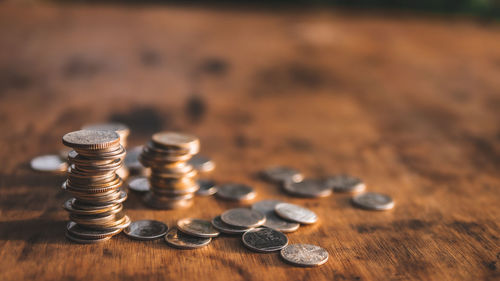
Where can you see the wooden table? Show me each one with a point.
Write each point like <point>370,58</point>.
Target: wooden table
<point>411,105</point>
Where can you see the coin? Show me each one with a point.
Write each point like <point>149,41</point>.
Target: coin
<point>227,228</point>
<point>87,233</point>
<point>295,213</point>
<point>243,217</point>
<point>146,230</point>
<point>84,240</point>
<point>202,163</point>
<point>177,141</point>
<point>264,240</point>
<point>120,128</point>
<point>373,201</point>
<point>180,240</point>
<point>93,140</point>
<point>197,227</point>
<point>273,221</point>
<point>49,163</point>
<point>207,187</point>
<point>139,184</point>
<point>236,192</point>
<point>308,188</point>
<point>282,174</point>
<point>345,183</point>
<point>304,255</point>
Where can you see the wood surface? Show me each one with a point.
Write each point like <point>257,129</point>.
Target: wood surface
<point>409,104</point>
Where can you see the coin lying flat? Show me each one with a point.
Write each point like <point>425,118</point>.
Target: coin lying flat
<point>202,163</point>
<point>227,228</point>
<point>146,230</point>
<point>373,201</point>
<point>282,174</point>
<point>236,192</point>
<point>177,140</point>
<point>295,213</point>
<point>84,240</point>
<point>304,255</point>
<point>197,227</point>
<point>273,221</point>
<point>86,233</point>
<point>308,188</point>
<point>264,240</point>
<point>180,240</point>
<point>49,163</point>
<point>243,217</point>
<point>207,187</point>
<point>139,184</point>
<point>88,139</point>
<point>345,183</point>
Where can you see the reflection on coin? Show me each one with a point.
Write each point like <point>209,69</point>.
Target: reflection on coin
<point>180,240</point>
<point>207,187</point>
<point>139,184</point>
<point>235,191</point>
<point>345,183</point>
<point>177,140</point>
<point>373,201</point>
<point>304,255</point>
<point>282,174</point>
<point>146,230</point>
<point>308,188</point>
<point>264,240</point>
<point>87,139</point>
<point>49,163</point>
<point>202,163</point>
<point>243,217</point>
<point>227,228</point>
<point>295,213</point>
<point>273,221</point>
<point>197,227</point>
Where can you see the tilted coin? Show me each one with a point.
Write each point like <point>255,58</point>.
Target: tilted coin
<point>139,184</point>
<point>273,221</point>
<point>88,139</point>
<point>202,163</point>
<point>264,240</point>
<point>180,240</point>
<point>177,141</point>
<point>373,201</point>
<point>345,183</point>
<point>236,192</point>
<point>295,213</point>
<point>49,163</point>
<point>227,228</point>
<point>207,187</point>
<point>243,217</point>
<point>197,227</point>
<point>304,255</point>
<point>308,188</point>
<point>282,174</point>
<point>146,230</point>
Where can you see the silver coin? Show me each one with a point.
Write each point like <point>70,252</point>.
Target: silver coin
<point>197,227</point>
<point>227,228</point>
<point>87,233</point>
<point>264,240</point>
<point>296,213</point>
<point>236,192</point>
<point>180,240</point>
<point>139,184</point>
<point>308,188</point>
<point>373,201</point>
<point>49,163</point>
<point>282,174</point>
<point>87,139</point>
<point>207,187</point>
<point>345,183</point>
<point>304,255</point>
<point>243,217</point>
<point>146,230</point>
<point>132,159</point>
<point>202,163</point>
<point>86,240</point>
<point>273,221</point>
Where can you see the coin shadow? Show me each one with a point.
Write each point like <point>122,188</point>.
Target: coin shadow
<point>34,231</point>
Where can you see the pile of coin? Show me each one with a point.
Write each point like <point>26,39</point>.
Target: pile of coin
<point>172,180</point>
<point>96,209</point>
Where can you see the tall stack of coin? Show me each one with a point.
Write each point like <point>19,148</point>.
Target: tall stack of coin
<point>96,209</point>
<point>172,180</point>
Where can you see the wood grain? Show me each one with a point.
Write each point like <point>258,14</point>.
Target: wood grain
<point>411,105</point>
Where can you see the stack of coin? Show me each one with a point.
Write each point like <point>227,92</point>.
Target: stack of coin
<point>172,180</point>
<point>96,209</point>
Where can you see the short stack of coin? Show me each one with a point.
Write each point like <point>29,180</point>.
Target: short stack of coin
<point>172,180</point>
<point>96,209</point>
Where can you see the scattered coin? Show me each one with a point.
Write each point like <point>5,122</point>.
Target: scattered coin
<point>304,255</point>
<point>264,240</point>
<point>197,227</point>
<point>296,213</point>
<point>132,159</point>
<point>308,188</point>
<point>49,163</point>
<point>207,187</point>
<point>139,184</point>
<point>227,228</point>
<point>345,183</point>
<point>243,217</point>
<point>202,163</point>
<point>236,192</point>
<point>273,221</point>
<point>282,174</point>
<point>180,240</point>
<point>373,201</point>
<point>146,230</point>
